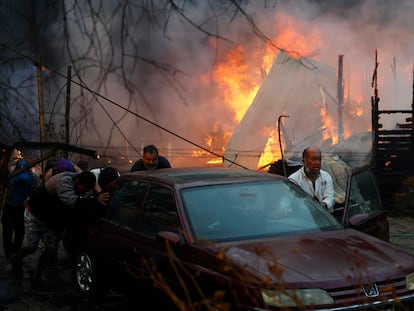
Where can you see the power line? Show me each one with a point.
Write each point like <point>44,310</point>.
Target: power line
<point>98,95</point>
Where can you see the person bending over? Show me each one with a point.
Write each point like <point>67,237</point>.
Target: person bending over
<point>150,160</point>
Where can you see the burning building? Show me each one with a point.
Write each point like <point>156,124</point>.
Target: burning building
<point>296,106</point>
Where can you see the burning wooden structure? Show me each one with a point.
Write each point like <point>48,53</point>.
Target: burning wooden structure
<point>393,148</point>
<point>297,88</point>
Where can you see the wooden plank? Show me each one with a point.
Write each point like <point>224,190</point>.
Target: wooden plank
<point>402,160</point>
<point>394,111</point>
<point>401,139</point>
<point>394,132</point>
<point>406,125</point>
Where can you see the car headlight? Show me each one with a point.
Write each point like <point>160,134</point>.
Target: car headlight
<point>296,297</point>
<point>409,281</point>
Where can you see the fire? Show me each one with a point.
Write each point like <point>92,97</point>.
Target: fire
<point>297,39</point>
<point>357,110</point>
<point>328,126</point>
<point>271,150</point>
<point>236,83</point>
<point>239,76</point>
<point>214,162</point>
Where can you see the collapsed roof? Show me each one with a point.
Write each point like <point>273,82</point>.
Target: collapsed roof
<point>294,87</point>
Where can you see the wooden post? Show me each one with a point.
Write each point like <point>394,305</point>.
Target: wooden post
<point>38,64</point>
<point>40,101</point>
<point>67,111</point>
<point>412,114</point>
<point>340,98</point>
<point>374,115</point>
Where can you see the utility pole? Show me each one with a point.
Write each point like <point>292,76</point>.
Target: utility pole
<point>340,99</point>
<point>279,124</point>
<point>395,78</point>
<point>67,110</point>
<point>40,100</point>
<point>38,65</point>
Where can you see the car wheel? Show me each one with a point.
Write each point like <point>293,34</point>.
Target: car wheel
<point>86,276</point>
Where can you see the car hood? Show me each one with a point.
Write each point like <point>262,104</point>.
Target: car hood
<point>330,256</point>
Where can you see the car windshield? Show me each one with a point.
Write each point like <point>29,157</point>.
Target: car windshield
<point>239,211</point>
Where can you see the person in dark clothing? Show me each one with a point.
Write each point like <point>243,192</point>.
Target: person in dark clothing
<point>85,211</point>
<point>150,160</point>
<point>104,176</point>
<point>20,187</point>
<point>46,214</point>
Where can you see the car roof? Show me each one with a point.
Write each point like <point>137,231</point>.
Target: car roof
<point>190,176</point>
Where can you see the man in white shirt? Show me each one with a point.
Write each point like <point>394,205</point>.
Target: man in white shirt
<point>318,183</point>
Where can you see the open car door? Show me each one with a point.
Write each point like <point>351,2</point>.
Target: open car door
<point>363,209</point>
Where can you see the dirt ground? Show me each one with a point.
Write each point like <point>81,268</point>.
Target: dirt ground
<point>402,232</point>
<point>61,295</point>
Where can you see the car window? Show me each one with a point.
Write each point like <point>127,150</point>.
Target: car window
<point>363,197</point>
<point>123,206</point>
<point>158,211</point>
<point>252,210</point>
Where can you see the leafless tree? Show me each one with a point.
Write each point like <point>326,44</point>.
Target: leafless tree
<point>126,59</point>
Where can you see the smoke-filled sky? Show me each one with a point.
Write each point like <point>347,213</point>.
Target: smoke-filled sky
<point>181,74</point>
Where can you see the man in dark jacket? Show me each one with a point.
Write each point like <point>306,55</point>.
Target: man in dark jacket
<point>150,160</point>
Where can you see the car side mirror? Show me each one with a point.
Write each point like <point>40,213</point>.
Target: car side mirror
<point>168,236</point>
<point>358,219</point>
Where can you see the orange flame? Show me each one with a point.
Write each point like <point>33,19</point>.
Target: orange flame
<point>237,85</point>
<point>239,75</point>
<point>328,126</point>
<point>296,39</point>
<point>297,42</point>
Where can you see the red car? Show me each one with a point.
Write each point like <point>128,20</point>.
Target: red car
<point>236,239</point>
<point>362,207</point>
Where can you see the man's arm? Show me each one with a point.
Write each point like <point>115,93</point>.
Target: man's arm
<point>163,162</point>
<point>137,166</point>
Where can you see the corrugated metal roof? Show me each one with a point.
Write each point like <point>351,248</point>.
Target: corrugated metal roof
<point>294,87</point>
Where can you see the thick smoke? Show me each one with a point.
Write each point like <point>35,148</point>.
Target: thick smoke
<point>151,61</point>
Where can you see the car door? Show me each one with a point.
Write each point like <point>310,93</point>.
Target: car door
<point>363,208</point>
<point>127,237</point>
<point>158,213</point>
<point>114,237</point>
